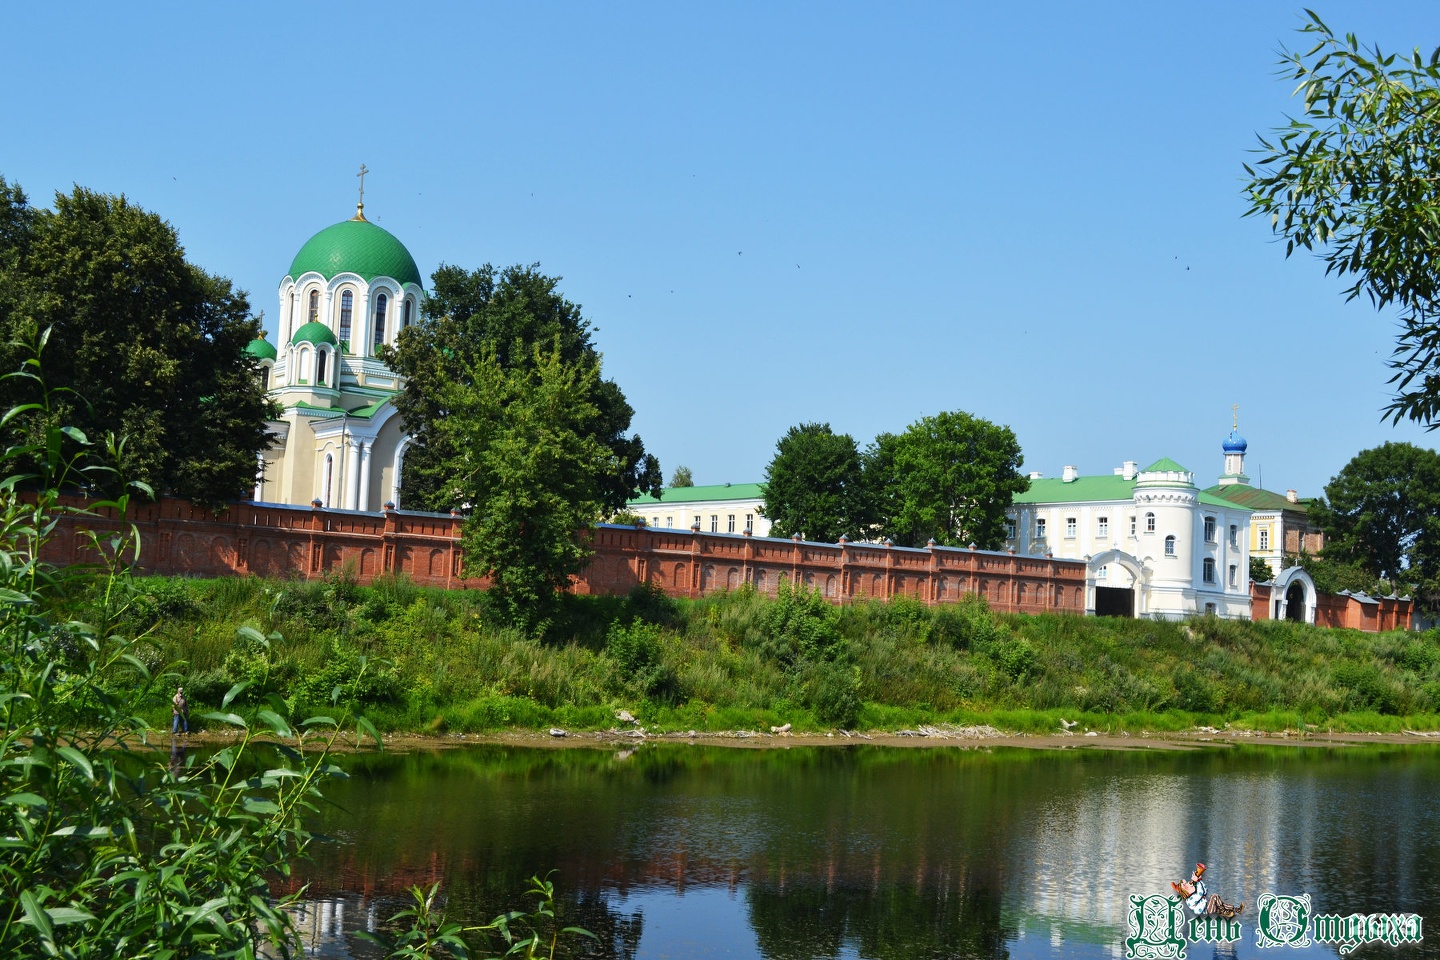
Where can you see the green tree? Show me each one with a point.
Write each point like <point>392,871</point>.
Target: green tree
<point>814,485</point>
<point>534,468</point>
<point>1356,180</point>
<point>682,477</point>
<point>473,318</point>
<point>155,344</point>
<point>950,477</point>
<point>1381,512</point>
<point>1260,571</point>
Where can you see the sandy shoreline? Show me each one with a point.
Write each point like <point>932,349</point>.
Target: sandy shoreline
<point>955,737</point>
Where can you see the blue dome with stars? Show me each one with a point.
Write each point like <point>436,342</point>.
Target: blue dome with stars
<point>1235,443</point>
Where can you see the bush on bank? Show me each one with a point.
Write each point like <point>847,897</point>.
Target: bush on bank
<point>742,661</point>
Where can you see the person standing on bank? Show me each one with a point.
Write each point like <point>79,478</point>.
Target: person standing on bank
<point>181,712</point>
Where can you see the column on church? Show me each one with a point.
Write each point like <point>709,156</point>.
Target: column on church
<point>364,498</point>
<point>352,474</point>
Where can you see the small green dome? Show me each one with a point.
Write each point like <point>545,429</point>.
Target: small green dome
<point>313,332</point>
<point>356,246</point>
<point>260,349</point>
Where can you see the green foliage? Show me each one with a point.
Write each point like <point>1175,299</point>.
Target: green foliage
<point>638,653</point>
<point>532,933</point>
<point>109,852</point>
<point>799,626</point>
<point>949,477</point>
<point>1356,179</point>
<point>142,343</point>
<point>682,477</point>
<point>1381,517</point>
<point>814,485</point>
<point>1260,571</point>
<point>475,323</point>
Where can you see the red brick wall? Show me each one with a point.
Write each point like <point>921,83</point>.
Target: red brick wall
<point>1335,610</point>
<point>276,541</point>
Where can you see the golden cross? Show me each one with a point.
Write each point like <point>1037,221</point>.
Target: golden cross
<point>361,175</point>
<point>1235,411</point>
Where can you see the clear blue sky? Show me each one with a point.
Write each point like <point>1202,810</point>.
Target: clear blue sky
<point>774,213</point>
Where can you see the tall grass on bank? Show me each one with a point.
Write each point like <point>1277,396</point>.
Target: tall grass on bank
<point>739,660</point>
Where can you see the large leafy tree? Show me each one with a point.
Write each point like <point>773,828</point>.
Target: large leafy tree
<point>1381,513</point>
<point>814,485</point>
<point>533,466</point>
<point>141,343</point>
<point>483,315</point>
<point>514,422</point>
<point>1356,179</point>
<point>948,477</point>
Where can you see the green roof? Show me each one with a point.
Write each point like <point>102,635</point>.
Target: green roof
<point>1079,490</point>
<point>1105,488</point>
<point>1164,465</point>
<point>358,247</point>
<point>719,491</point>
<point>261,349</point>
<point>314,332</point>
<point>1254,498</point>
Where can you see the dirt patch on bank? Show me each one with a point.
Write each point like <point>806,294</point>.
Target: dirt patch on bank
<point>926,737</point>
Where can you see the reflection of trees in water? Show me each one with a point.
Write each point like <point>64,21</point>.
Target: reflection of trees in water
<point>807,922</point>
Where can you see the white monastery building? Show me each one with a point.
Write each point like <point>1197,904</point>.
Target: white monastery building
<point>1154,544</point>
<point>716,508</point>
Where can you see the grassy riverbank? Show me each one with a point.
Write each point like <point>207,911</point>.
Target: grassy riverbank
<point>422,660</point>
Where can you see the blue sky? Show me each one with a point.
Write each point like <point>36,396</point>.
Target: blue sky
<point>858,214</point>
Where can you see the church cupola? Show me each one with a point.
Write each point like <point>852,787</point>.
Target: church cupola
<point>1234,447</point>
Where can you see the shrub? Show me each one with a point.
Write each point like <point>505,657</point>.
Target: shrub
<point>638,657</point>
<point>800,625</point>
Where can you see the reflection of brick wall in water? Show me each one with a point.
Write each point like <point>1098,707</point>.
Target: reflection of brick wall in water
<point>266,540</point>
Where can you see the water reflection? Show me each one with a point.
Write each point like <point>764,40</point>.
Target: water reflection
<point>682,850</point>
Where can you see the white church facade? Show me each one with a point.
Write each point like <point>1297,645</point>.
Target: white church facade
<point>339,441</point>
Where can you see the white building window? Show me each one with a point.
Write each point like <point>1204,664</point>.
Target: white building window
<point>1234,535</point>
<point>1264,538</point>
<point>1102,527</point>
<point>1070,526</point>
<point>1149,523</point>
<point>714,523</point>
<point>1207,570</point>
<point>314,312</point>
<point>1170,545</point>
<point>696,524</point>
<point>1210,609</point>
<point>1209,529</point>
<point>1040,528</point>
<point>1010,528</point>
<point>669,523</point>
<point>749,521</point>
<point>730,524</point>
<point>1234,572</point>
<point>1132,524</point>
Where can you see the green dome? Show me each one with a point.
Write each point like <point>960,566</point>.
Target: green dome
<point>359,247</point>
<point>313,332</point>
<point>260,349</point>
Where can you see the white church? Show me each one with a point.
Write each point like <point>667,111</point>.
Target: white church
<point>339,442</point>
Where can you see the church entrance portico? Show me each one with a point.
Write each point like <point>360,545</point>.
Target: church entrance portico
<point>1115,585</point>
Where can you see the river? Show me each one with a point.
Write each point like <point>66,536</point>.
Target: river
<point>678,850</point>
